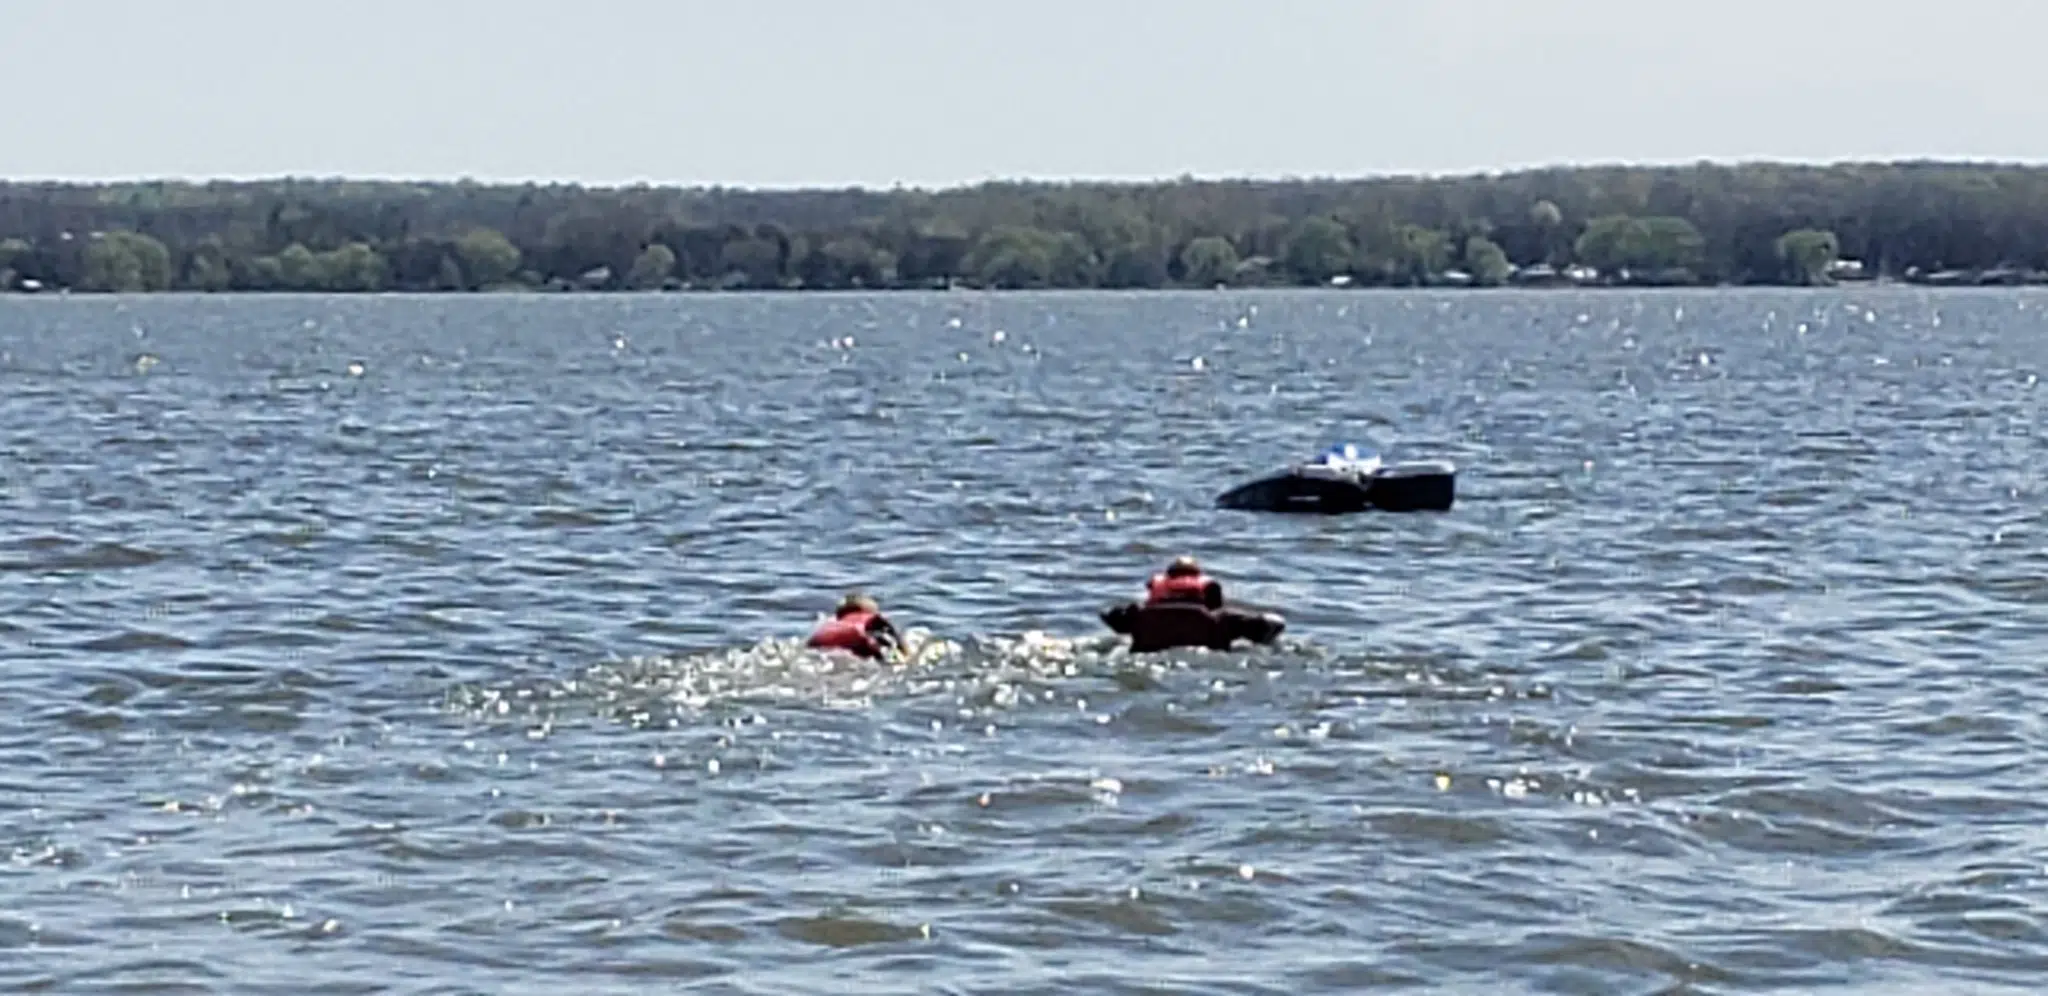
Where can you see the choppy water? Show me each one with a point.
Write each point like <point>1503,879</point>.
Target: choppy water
<point>447,645</point>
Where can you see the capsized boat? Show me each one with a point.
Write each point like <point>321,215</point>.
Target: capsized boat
<point>1346,479</point>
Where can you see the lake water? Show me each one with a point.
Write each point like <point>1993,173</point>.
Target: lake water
<point>447,645</point>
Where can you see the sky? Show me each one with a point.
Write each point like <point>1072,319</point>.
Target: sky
<point>929,93</point>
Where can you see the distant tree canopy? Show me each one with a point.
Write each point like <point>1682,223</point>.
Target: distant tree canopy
<point>1807,254</point>
<point>1752,223</point>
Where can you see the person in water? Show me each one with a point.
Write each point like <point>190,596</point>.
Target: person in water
<point>859,627</point>
<point>1184,581</point>
<point>1183,607</point>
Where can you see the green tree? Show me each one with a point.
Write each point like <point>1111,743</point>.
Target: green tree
<point>124,262</point>
<point>652,268</point>
<point>259,273</point>
<point>298,269</point>
<point>1016,256</point>
<point>1608,243</point>
<point>1208,260</point>
<point>1548,222</point>
<point>1317,249</point>
<point>11,251</point>
<point>853,261</point>
<point>1673,244</point>
<point>1807,254</point>
<point>1616,243</point>
<point>488,258</point>
<point>1127,249</point>
<point>1487,262</point>
<point>1075,263</point>
<point>448,275</point>
<point>355,267</point>
<point>1421,253</point>
<point>932,253</point>
<point>755,261</point>
<point>209,268</point>
<point>1719,222</point>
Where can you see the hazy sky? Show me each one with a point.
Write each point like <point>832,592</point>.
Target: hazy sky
<point>875,92</point>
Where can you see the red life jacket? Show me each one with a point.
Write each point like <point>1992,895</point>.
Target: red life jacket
<point>848,632</point>
<point>1185,588</point>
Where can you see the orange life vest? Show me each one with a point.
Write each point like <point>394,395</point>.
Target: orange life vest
<point>848,632</point>
<point>1185,588</point>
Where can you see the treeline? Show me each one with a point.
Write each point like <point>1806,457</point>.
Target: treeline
<point>1714,224</point>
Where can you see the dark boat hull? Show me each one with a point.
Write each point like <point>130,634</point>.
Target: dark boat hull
<point>1418,486</point>
<point>1188,625</point>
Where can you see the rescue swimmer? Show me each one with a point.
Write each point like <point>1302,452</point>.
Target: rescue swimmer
<point>858,627</point>
<point>1184,607</point>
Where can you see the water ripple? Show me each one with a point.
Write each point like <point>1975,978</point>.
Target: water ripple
<point>450,644</point>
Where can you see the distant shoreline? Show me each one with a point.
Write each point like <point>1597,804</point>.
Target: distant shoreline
<point>1925,224</point>
<point>967,294</point>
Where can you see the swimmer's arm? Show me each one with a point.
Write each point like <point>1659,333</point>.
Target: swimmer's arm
<point>884,632</point>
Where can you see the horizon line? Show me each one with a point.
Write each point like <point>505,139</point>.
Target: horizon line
<point>996,179</point>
